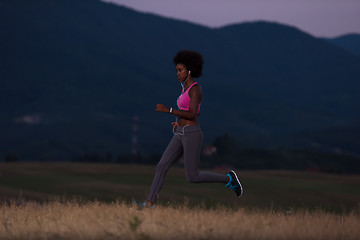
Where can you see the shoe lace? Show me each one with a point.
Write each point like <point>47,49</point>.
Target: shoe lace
<point>230,185</point>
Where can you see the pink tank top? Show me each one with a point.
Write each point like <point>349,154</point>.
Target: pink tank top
<point>183,100</point>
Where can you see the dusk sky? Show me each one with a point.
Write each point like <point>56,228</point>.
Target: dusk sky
<point>321,18</point>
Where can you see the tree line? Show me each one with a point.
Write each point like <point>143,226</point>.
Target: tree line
<point>227,154</point>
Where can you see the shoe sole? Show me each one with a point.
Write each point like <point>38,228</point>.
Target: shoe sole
<point>237,179</point>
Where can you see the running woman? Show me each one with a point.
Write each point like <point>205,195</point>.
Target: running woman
<point>188,137</point>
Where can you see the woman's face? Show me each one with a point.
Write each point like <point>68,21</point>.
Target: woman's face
<point>182,72</point>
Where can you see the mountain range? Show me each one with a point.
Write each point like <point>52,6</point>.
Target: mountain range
<point>75,73</point>
<point>349,42</point>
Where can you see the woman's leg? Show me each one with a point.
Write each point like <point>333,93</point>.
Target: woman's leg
<point>192,143</point>
<point>172,153</point>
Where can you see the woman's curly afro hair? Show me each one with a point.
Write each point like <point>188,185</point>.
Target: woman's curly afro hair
<point>192,60</point>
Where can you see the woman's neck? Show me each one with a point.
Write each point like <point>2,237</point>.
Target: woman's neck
<point>189,82</point>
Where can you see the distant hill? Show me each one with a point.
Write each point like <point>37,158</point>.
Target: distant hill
<point>74,73</point>
<point>349,42</point>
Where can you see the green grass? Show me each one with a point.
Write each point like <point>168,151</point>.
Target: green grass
<point>109,182</point>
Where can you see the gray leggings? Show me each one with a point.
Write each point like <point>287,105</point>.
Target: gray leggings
<point>187,141</point>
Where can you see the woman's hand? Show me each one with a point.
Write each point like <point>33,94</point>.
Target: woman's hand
<point>162,108</point>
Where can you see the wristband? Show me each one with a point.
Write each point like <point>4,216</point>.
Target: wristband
<point>171,109</point>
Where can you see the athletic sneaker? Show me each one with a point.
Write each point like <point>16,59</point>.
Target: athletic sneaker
<point>234,183</point>
<point>143,205</point>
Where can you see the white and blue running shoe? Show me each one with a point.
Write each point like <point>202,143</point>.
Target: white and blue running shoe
<point>234,183</point>
<point>143,205</point>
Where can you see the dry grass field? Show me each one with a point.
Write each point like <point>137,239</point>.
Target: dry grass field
<point>94,201</point>
<point>118,220</point>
